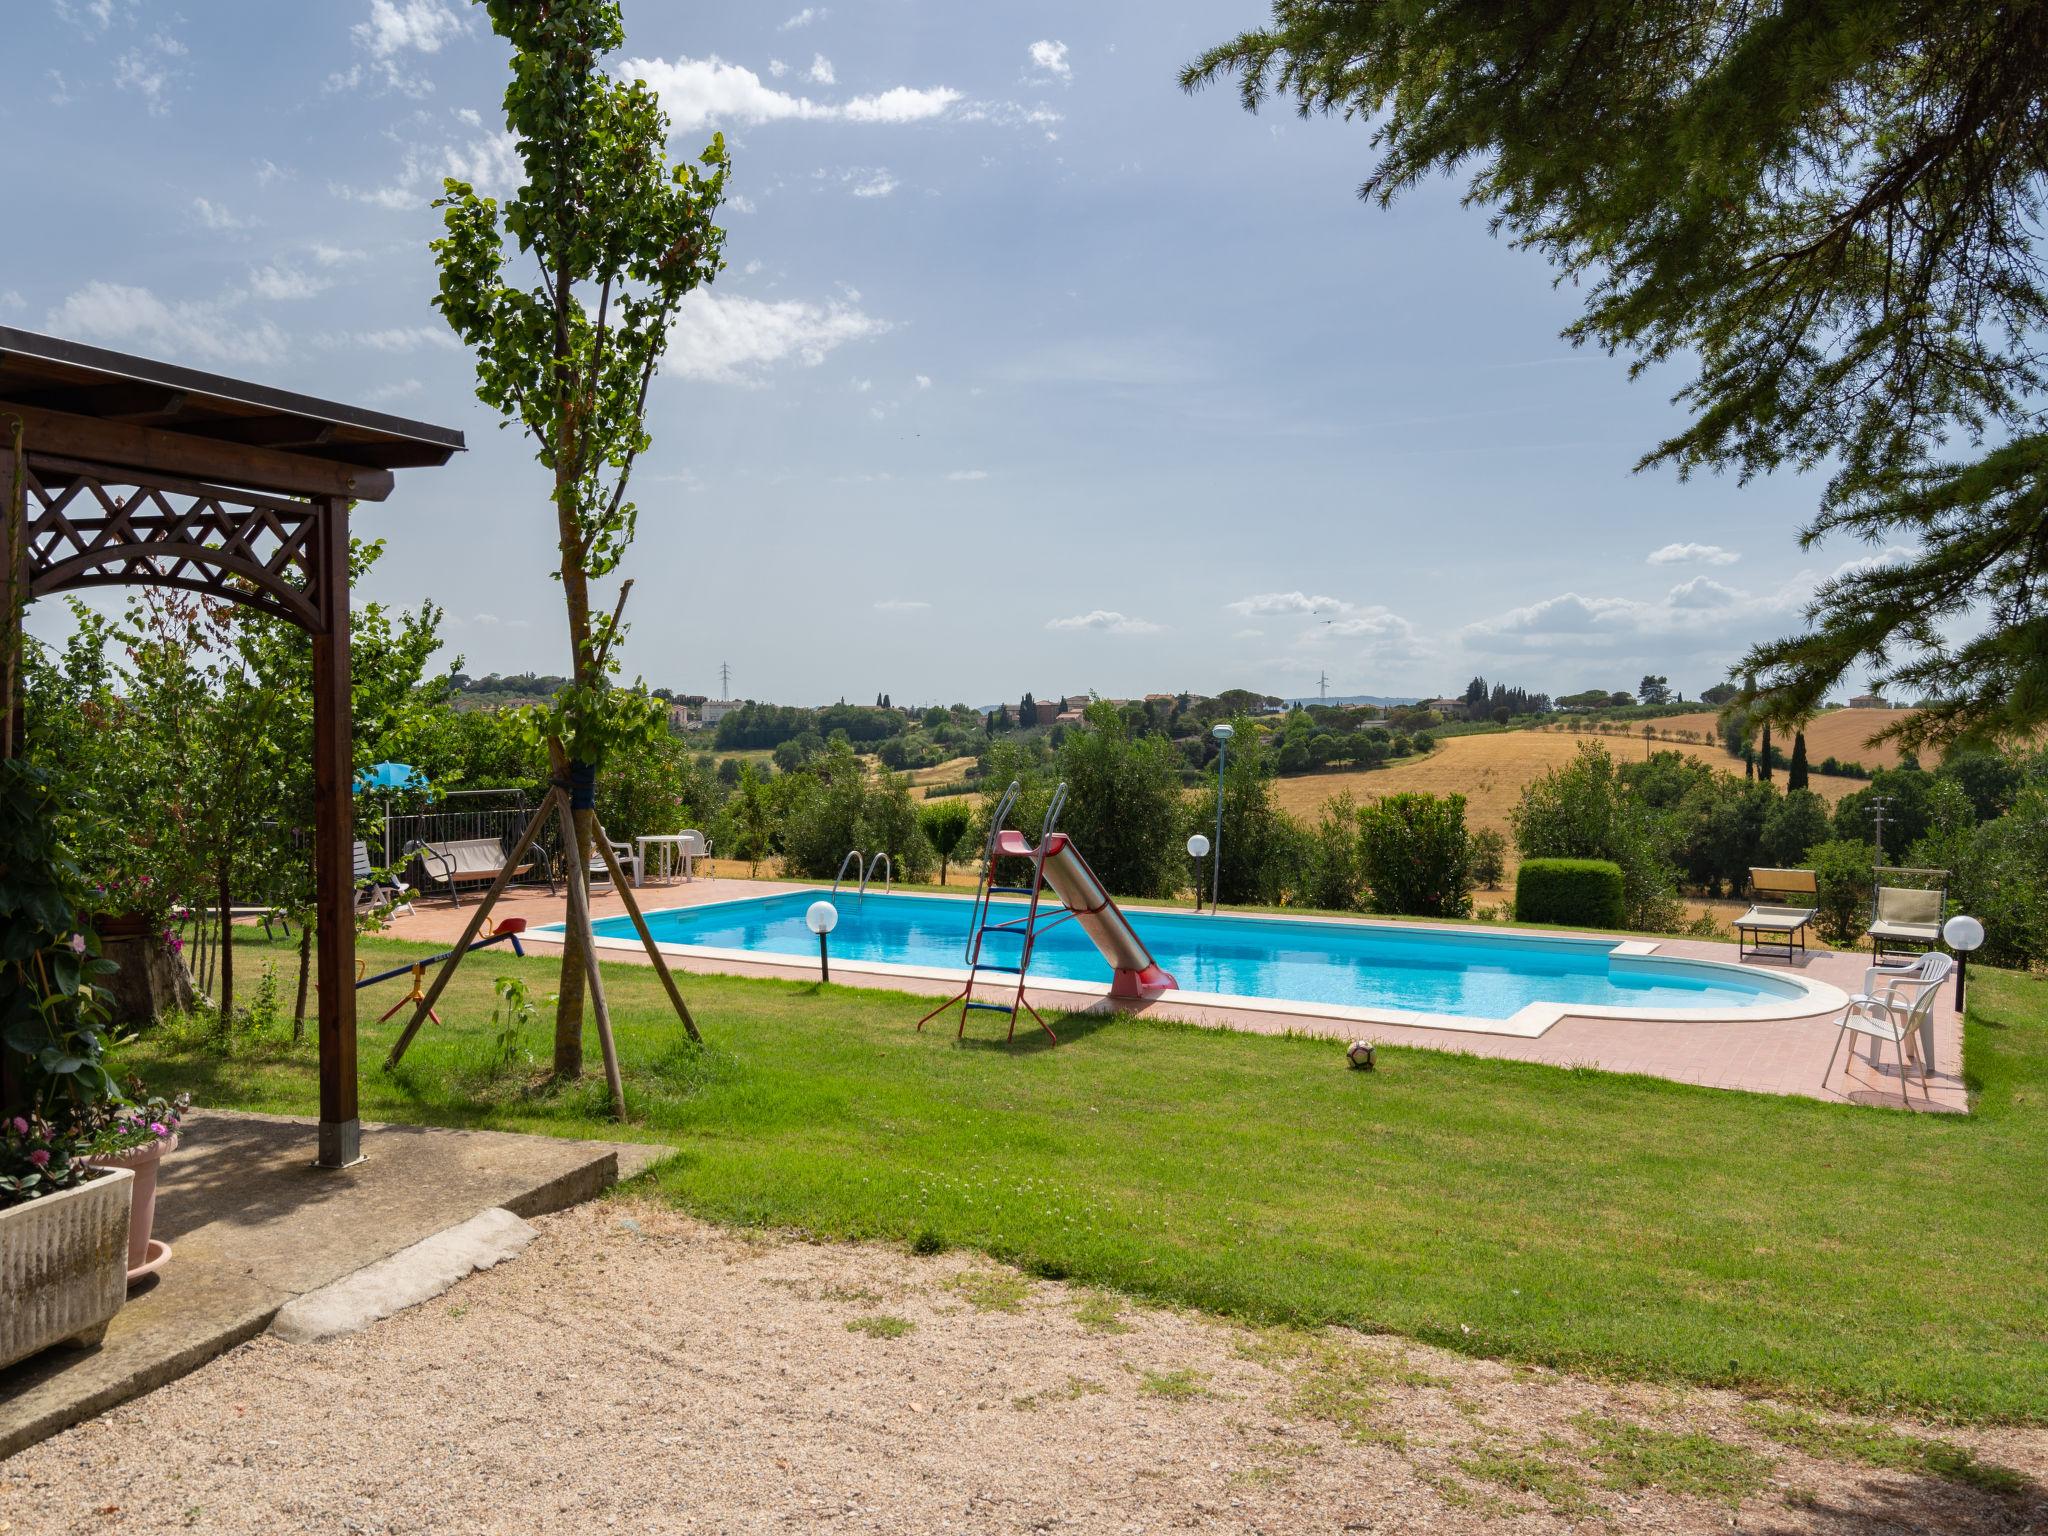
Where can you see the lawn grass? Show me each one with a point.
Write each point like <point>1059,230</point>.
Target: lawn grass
<point>1860,1257</point>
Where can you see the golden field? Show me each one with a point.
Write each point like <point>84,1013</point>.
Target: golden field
<point>1489,771</point>
<point>1840,733</point>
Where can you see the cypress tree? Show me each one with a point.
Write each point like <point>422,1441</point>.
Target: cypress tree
<point>1764,755</point>
<point>1795,776</point>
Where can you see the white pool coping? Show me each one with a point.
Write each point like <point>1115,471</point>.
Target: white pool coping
<point>1529,1022</point>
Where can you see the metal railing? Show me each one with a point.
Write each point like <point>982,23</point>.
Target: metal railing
<point>449,822</point>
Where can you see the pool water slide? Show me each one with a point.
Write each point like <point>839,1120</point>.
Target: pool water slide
<point>1056,862</point>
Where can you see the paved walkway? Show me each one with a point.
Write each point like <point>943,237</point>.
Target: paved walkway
<point>253,1224</point>
<point>1789,1056</point>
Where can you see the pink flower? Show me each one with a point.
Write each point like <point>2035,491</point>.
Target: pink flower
<point>78,943</point>
<point>40,1157</point>
<point>156,1127</point>
<point>20,1126</point>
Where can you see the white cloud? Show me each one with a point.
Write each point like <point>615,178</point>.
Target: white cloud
<point>1247,634</point>
<point>398,25</point>
<point>188,329</point>
<point>335,255</point>
<point>752,268</point>
<point>821,72</point>
<point>398,338</point>
<point>1051,57</point>
<point>1693,554</point>
<point>397,390</point>
<point>282,283</point>
<point>1106,621</point>
<point>900,605</point>
<point>268,171</point>
<point>11,300</point>
<point>923,380</point>
<point>875,183</point>
<point>1276,604</point>
<point>218,216</point>
<point>490,164</point>
<point>147,76</point>
<point>900,105</point>
<point>731,339</point>
<point>699,92</point>
<point>804,18</point>
<point>968,474</point>
<point>1702,592</point>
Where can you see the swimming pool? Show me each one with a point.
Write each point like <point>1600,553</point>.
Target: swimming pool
<point>1501,982</point>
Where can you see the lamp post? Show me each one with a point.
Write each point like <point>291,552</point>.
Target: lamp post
<point>1963,934</point>
<point>821,919</point>
<point>1198,845</point>
<point>1222,732</point>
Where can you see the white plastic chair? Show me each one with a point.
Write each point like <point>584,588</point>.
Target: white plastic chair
<point>694,846</point>
<point>627,854</point>
<point>1895,1004</point>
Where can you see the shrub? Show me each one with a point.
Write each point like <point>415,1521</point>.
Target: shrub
<point>1842,867</point>
<point>1577,893</point>
<point>1489,857</point>
<point>1793,825</point>
<point>1414,855</point>
<point>1330,874</point>
<point>944,823</point>
<point>1587,810</point>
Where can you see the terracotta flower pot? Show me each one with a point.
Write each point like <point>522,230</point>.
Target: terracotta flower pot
<point>142,1161</point>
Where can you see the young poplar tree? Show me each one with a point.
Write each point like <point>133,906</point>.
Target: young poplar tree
<point>615,235</point>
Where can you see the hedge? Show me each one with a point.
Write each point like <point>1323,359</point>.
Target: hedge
<point>1578,893</point>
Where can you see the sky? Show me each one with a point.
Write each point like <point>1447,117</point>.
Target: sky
<point>1028,370</point>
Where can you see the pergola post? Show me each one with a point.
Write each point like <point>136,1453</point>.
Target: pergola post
<point>341,1134</point>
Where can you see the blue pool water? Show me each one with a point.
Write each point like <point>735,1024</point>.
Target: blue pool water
<point>1473,973</point>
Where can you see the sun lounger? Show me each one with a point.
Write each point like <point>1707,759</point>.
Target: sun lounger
<point>372,892</point>
<point>1908,915</point>
<point>1777,920</point>
<point>472,861</point>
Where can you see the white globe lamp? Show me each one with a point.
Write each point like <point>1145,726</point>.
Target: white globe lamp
<point>1963,934</point>
<point>821,919</point>
<point>1198,849</point>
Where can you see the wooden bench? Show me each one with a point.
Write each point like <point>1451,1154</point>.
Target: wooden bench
<point>472,861</point>
<point>1774,895</point>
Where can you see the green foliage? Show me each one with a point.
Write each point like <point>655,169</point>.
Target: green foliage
<point>1830,211</point>
<point>1261,844</point>
<point>1332,876</point>
<point>1842,867</point>
<point>653,786</point>
<point>1998,870</point>
<point>1577,893</point>
<point>1489,857</point>
<point>51,1012</point>
<point>1124,804</point>
<point>944,824</point>
<point>1415,856</point>
<point>1793,825</point>
<point>834,806</point>
<point>513,1016</point>
<point>1797,774</point>
<point>1585,809</point>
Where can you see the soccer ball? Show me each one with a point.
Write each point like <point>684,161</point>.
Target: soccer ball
<point>1360,1055</point>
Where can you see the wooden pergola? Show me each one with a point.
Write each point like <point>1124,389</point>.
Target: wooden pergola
<point>138,472</point>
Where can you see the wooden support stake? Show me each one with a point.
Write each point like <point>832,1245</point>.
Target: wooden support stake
<point>579,915</point>
<point>476,921</point>
<point>675,996</point>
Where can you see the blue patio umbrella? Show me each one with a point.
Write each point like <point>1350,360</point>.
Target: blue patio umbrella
<point>390,776</point>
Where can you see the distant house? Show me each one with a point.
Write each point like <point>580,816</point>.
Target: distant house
<point>679,717</point>
<point>1047,711</point>
<point>715,710</point>
<point>1070,717</point>
<point>1444,706</point>
<point>1159,698</point>
<point>1075,701</point>
<point>1869,701</point>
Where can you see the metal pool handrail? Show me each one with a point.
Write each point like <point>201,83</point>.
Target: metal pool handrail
<point>888,872</point>
<point>852,857</point>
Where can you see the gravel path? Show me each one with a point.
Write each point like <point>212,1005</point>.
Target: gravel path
<point>637,1370</point>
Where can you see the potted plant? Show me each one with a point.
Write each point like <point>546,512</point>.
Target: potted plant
<point>136,1135</point>
<point>63,1240</point>
<point>63,1225</point>
<point>132,917</point>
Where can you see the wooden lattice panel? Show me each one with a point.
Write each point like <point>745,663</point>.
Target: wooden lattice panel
<point>88,525</point>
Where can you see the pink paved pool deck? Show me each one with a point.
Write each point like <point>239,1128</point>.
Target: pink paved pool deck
<point>1771,1056</point>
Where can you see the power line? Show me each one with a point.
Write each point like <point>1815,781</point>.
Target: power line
<point>725,679</point>
<point>1323,686</point>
